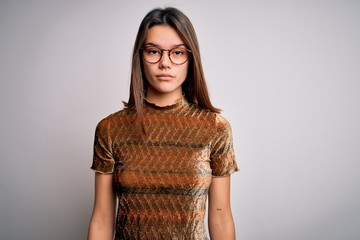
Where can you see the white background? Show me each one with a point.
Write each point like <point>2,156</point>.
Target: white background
<point>286,74</point>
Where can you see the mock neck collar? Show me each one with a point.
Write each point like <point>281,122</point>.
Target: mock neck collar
<point>177,104</point>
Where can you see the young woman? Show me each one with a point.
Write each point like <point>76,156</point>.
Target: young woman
<point>168,149</point>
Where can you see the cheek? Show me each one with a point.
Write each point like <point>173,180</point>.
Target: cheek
<point>184,70</point>
<point>147,71</point>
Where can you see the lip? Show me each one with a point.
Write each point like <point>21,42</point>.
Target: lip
<point>164,77</point>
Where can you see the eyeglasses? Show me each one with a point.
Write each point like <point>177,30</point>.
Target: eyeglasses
<point>177,55</point>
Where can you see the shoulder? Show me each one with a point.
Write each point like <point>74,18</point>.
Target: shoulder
<point>221,121</point>
<point>114,119</point>
<point>216,119</point>
<point>213,120</point>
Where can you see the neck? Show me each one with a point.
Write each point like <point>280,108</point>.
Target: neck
<point>163,99</point>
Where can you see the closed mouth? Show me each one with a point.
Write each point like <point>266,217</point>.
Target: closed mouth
<point>165,77</point>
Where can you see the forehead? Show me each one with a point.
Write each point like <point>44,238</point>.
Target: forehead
<point>163,36</point>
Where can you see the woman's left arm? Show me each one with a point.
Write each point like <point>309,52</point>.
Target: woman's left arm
<point>221,223</point>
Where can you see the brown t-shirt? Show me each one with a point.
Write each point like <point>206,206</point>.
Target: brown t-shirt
<point>162,178</point>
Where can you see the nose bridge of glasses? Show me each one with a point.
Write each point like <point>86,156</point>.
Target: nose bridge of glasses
<point>168,55</point>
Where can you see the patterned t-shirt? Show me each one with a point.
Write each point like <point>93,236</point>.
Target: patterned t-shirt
<point>162,178</point>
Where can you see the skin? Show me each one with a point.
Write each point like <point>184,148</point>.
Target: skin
<point>162,91</point>
<point>103,217</point>
<point>220,220</point>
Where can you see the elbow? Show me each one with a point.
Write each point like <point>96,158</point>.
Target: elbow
<point>100,229</point>
<point>221,228</point>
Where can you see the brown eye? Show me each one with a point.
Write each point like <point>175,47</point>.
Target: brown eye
<point>178,52</point>
<point>152,51</point>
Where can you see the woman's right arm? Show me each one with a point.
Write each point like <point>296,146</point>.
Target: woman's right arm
<point>103,217</point>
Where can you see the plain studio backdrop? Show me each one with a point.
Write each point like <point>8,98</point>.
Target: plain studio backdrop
<point>285,73</point>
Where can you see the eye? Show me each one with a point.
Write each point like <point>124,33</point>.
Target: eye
<point>152,51</point>
<point>178,51</point>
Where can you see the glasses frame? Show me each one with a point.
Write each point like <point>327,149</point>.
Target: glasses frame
<point>162,53</point>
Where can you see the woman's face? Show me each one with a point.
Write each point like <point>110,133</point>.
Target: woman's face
<point>164,77</point>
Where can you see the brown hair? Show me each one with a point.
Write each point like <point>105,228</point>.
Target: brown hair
<point>194,87</point>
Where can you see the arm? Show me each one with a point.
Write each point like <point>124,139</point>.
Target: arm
<point>103,216</point>
<point>221,224</point>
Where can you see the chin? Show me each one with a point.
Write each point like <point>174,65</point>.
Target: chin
<point>168,89</point>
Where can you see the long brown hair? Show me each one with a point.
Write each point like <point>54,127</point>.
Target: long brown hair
<point>194,87</point>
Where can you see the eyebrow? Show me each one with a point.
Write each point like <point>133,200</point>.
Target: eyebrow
<point>156,45</point>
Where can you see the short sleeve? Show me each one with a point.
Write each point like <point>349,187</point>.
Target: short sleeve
<point>103,161</point>
<point>222,156</point>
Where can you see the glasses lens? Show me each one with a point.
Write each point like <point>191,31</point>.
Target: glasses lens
<point>152,54</point>
<point>178,55</point>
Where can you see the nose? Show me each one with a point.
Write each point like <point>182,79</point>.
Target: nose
<point>165,61</point>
